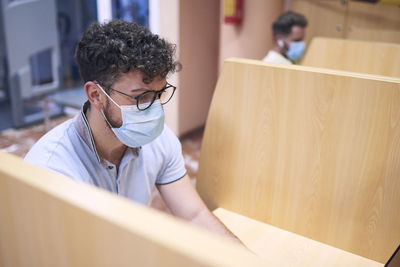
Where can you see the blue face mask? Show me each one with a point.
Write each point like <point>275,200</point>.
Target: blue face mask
<point>296,50</point>
<point>139,127</point>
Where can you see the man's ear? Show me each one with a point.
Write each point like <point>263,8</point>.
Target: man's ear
<point>94,96</point>
<point>280,41</point>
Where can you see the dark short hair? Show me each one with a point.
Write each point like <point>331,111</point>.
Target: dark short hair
<point>284,23</point>
<point>106,51</point>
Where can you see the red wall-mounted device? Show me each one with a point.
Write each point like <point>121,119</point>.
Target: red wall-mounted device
<point>233,11</point>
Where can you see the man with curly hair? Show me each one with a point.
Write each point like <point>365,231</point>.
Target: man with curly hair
<point>119,141</point>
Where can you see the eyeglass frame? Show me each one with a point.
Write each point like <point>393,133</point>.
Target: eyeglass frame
<point>155,92</point>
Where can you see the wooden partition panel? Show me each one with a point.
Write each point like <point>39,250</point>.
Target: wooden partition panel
<point>312,151</point>
<point>49,220</point>
<point>356,56</point>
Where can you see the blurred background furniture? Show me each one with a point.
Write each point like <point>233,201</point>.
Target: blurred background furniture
<point>356,56</point>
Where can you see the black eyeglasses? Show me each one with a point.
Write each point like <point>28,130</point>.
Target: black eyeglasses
<point>147,98</point>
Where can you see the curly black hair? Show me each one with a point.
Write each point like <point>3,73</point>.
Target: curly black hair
<point>106,51</point>
<point>284,23</point>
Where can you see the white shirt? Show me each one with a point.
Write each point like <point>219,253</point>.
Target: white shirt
<point>276,57</point>
<point>69,149</point>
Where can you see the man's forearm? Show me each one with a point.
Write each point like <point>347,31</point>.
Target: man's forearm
<point>208,220</point>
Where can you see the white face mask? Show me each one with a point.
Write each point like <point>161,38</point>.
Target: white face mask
<point>139,127</point>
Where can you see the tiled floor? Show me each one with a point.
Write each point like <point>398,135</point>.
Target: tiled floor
<point>19,141</point>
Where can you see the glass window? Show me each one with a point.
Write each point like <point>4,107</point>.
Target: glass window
<point>132,10</point>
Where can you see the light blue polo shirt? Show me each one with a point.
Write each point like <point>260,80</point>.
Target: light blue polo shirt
<point>70,149</point>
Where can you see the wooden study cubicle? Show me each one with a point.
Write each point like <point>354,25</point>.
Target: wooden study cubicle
<point>300,163</point>
<point>47,219</point>
<point>357,56</point>
<point>303,163</point>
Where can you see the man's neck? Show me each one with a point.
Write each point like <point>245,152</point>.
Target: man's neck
<point>107,144</point>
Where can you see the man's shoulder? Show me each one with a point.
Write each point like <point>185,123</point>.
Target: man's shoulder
<point>55,142</point>
<point>60,150</point>
<point>275,57</point>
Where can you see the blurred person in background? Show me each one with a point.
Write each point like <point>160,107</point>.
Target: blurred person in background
<point>288,35</point>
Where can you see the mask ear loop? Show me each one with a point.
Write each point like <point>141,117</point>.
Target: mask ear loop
<point>104,116</point>
<point>102,112</point>
<point>112,100</point>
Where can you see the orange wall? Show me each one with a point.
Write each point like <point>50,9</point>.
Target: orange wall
<point>198,44</point>
<point>194,26</point>
<point>253,38</point>
<point>169,29</point>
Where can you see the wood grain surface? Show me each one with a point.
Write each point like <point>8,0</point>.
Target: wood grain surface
<point>356,56</point>
<point>369,22</point>
<point>312,151</point>
<point>282,248</point>
<point>352,20</point>
<point>47,219</point>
